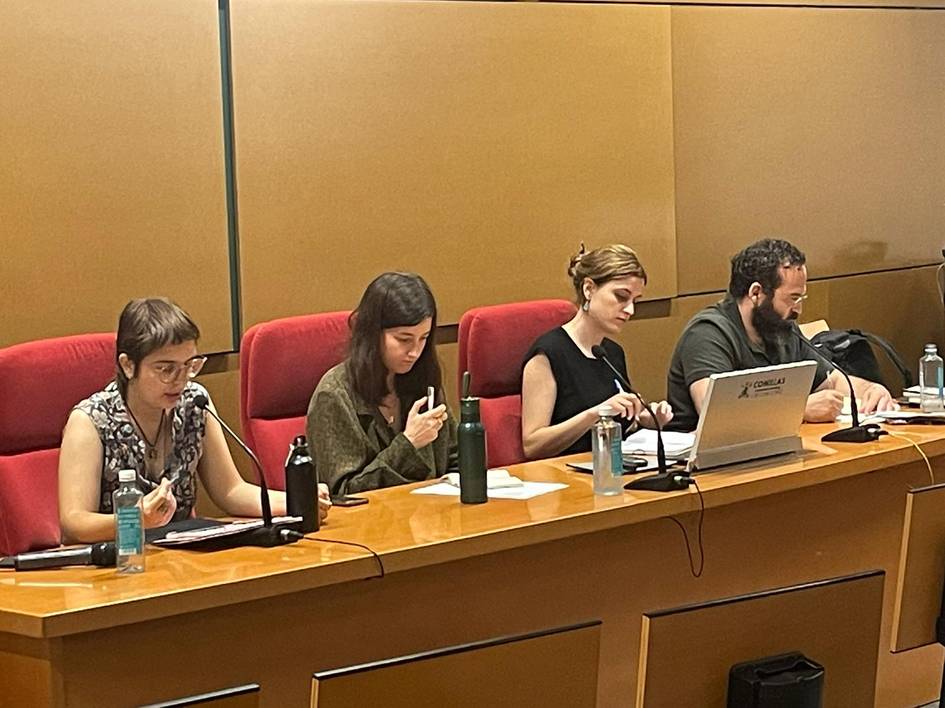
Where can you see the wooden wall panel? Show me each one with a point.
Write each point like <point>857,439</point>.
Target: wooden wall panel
<point>475,143</point>
<point>822,126</point>
<point>111,177</point>
<point>835,622</point>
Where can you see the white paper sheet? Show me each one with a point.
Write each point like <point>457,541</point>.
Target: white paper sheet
<point>526,491</point>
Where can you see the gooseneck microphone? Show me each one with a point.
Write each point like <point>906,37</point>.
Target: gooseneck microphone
<point>856,433</point>
<point>98,554</point>
<point>268,535</point>
<point>664,481</point>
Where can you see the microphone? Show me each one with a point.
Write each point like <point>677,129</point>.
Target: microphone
<point>98,554</point>
<point>856,433</point>
<point>268,535</point>
<point>663,481</point>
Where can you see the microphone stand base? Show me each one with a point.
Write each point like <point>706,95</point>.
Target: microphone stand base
<point>261,536</point>
<point>667,482</point>
<point>856,434</point>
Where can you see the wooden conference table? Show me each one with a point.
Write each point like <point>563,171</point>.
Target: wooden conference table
<point>196,622</point>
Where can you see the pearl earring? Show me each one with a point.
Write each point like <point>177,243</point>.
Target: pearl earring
<point>586,306</point>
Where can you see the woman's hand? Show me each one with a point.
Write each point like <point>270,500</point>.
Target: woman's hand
<point>324,502</point>
<point>663,411</point>
<point>158,507</point>
<point>624,405</point>
<point>422,428</point>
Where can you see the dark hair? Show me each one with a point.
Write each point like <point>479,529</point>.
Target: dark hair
<point>602,265</point>
<point>762,262</point>
<point>146,325</point>
<point>391,300</point>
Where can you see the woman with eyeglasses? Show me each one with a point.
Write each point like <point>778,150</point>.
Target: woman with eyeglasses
<point>146,420</point>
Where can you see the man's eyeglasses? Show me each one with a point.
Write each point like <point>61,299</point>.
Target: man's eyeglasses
<point>798,299</point>
<point>169,372</point>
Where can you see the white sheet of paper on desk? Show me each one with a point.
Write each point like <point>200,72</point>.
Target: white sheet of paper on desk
<point>527,490</point>
<point>495,479</point>
<point>643,442</point>
<point>907,415</point>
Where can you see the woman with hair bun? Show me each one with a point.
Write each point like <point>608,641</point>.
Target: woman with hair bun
<point>563,383</point>
<point>366,421</point>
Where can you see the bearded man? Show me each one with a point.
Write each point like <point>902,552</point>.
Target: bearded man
<point>756,325</point>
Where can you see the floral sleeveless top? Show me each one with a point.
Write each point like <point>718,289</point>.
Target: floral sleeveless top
<point>125,449</point>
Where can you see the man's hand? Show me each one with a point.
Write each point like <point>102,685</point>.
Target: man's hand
<point>823,406</point>
<point>875,397</point>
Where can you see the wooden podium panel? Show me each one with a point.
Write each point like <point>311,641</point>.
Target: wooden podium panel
<point>921,569</point>
<point>112,175</point>
<point>821,126</point>
<point>555,668</point>
<point>686,652</point>
<point>475,143</point>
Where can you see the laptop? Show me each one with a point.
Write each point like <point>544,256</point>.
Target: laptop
<point>751,414</point>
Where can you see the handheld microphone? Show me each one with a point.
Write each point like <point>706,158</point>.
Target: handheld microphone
<point>268,535</point>
<point>98,554</point>
<point>856,433</point>
<point>663,481</point>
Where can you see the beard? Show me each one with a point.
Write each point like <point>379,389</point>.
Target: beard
<point>771,326</point>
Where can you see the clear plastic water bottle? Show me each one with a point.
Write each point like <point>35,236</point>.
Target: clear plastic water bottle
<point>930,381</point>
<point>607,454</point>
<point>129,523</point>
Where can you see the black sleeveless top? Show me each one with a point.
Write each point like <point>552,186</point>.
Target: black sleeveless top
<point>583,382</point>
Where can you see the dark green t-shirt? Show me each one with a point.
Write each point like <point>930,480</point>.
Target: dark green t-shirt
<point>715,342</point>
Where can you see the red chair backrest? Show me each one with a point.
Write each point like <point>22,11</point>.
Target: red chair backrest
<point>281,363</point>
<point>492,342</point>
<point>40,383</point>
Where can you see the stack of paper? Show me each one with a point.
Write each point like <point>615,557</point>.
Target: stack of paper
<point>913,394</point>
<point>643,442</point>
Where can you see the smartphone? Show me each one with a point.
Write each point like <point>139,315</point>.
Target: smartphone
<point>348,501</point>
<point>631,463</point>
<point>430,398</point>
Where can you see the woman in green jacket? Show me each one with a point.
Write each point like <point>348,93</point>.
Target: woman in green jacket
<point>368,422</point>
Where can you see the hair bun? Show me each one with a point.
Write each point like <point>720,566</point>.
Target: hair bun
<point>576,260</point>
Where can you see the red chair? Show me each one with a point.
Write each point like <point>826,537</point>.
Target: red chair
<point>281,363</point>
<point>492,342</point>
<point>41,382</point>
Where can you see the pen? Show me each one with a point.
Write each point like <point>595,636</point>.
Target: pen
<point>430,400</point>
<point>619,387</point>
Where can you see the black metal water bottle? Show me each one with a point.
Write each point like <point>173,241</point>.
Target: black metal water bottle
<point>472,449</point>
<point>301,485</point>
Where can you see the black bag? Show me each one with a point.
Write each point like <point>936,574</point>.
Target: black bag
<point>783,681</point>
<point>850,350</point>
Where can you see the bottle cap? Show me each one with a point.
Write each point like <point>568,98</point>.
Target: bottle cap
<point>127,475</point>
<point>605,412</point>
<point>469,409</point>
<point>300,440</point>
<point>931,348</point>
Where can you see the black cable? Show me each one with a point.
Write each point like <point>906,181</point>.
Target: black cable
<point>692,567</point>
<point>380,563</point>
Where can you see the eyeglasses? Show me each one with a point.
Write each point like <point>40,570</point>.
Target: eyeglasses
<point>798,299</point>
<point>169,372</point>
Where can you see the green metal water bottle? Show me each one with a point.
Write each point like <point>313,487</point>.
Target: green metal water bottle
<point>472,453</point>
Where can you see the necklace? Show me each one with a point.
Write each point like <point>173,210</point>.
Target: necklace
<point>388,407</point>
<point>150,448</point>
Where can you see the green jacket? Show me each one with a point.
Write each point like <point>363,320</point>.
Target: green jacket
<point>354,448</point>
